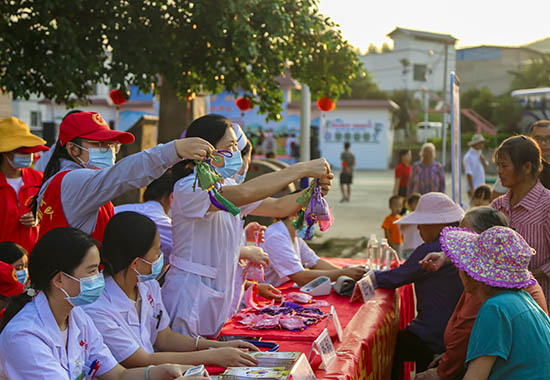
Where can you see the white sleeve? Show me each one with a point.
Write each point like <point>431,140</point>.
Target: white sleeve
<point>249,208</point>
<point>282,257</point>
<point>189,203</point>
<point>468,165</point>
<point>110,343</point>
<point>29,357</point>
<point>308,255</point>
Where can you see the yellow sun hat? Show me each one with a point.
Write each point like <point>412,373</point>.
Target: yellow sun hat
<point>15,134</point>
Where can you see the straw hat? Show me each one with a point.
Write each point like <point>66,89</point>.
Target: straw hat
<point>497,257</point>
<point>476,139</point>
<point>15,134</point>
<point>434,208</point>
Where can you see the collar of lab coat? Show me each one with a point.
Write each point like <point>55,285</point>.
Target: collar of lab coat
<point>50,325</point>
<point>121,302</point>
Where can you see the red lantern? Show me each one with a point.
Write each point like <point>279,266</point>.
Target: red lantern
<point>326,104</point>
<point>243,104</point>
<point>119,97</point>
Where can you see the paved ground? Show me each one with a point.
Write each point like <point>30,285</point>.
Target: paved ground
<point>368,207</point>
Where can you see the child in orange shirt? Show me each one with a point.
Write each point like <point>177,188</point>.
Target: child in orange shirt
<point>391,231</point>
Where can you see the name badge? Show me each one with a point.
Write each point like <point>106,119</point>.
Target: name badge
<point>324,347</point>
<point>367,286</point>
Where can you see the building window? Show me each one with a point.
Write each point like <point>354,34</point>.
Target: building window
<point>420,73</point>
<point>36,119</point>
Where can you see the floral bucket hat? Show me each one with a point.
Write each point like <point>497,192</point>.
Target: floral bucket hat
<point>497,257</point>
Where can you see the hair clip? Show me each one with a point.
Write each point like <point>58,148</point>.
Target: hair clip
<point>31,292</point>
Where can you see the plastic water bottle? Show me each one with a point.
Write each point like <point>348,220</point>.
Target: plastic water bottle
<point>386,254</point>
<point>372,252</point>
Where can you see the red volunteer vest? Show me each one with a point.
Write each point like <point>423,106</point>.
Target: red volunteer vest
<point>50,212</point>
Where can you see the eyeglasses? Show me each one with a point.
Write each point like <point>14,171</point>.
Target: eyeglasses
<point>542,139</point>
<point>101,146</point>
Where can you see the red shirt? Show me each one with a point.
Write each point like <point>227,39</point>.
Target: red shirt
<point>13,206</point>
<point>403,173</point>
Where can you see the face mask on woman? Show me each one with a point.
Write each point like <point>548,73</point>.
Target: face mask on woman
<point>22,275</point>
<point>232,165</point>
<point>156,268</point>
<point>239,178</point>
<point>21,161</point>
<point>99,158</point>
<point>90,289</point>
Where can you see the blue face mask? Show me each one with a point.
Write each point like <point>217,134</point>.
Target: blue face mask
<point>90,289</point>
<point>22,275</point>
<point>232,165</point>
<point>239,178</point>
<point>156,268</point>
<point>98,159</point>
<point>21,161</point>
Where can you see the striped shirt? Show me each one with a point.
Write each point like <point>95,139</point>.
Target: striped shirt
<point>531,218</point>
<point>425,179</point>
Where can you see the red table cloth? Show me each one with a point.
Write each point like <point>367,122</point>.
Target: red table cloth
<point>370,331</point>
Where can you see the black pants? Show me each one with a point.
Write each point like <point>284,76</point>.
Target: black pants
<point>410,348</point>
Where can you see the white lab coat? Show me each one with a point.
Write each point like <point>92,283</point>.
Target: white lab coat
<point>116,318</point>
<point>199,287</point>
<point>32,347</point>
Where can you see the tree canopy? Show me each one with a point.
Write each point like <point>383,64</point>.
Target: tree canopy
<point>59,49</point>
<point>536,74</point>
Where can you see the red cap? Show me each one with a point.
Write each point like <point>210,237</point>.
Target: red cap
<point>90,126</point>
<point>32,149</point>
<point>9,285</point>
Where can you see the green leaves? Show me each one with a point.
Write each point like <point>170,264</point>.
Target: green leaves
<point>58,48</point>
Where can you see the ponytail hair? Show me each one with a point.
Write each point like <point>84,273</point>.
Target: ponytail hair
<point>212,128</point>
<point>60,250</point>
<point>128,235</point>
<point>54,165</point>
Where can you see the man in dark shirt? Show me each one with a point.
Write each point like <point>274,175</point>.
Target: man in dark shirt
<point>346,177</point>
<point>436,296</point>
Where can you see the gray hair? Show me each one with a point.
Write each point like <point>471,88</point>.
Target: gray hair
<point>482,218</point>
<point>428,145</point>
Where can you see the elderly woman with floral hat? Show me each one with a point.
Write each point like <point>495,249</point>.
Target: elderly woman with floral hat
<point>18,182</point>
<point>493,267</point>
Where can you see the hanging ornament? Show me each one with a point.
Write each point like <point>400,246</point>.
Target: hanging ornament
<point>326,104</point>
<point>243,104</point>
<point>119,97</point>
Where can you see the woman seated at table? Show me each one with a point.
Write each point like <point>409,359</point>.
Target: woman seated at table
<point>451,362</point>
<point>45,336</point>
<point>290,258</point>
<point>130,314</point>
<point>511,334</point>
<point>436,293</point>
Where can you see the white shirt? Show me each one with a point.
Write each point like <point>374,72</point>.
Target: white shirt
<point>32,346</point>
<point>286,256</point>
<point>16,183</point>
<point>115,316</point>
<point>154,211</point>
<point>474,167</point>
<point>411,236</point>
<point>199,287</point>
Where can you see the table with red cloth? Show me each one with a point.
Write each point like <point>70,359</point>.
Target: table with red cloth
<point>370,331</point>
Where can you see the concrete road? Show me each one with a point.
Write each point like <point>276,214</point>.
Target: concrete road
<point>368,207</point>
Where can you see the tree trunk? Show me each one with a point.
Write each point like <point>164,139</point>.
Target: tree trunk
<point>175,114</point>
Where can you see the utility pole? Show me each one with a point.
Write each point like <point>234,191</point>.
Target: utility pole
<point>305,124</point>
<point>444,158</point>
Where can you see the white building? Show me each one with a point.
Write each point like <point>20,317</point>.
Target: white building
<point>36,110</point>
<point>366,124</point>
<point>425,54</point>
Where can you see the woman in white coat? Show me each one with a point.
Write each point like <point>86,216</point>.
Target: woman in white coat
<point>199,287</point>
<point>130,313</point>
<point>45,336</point>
